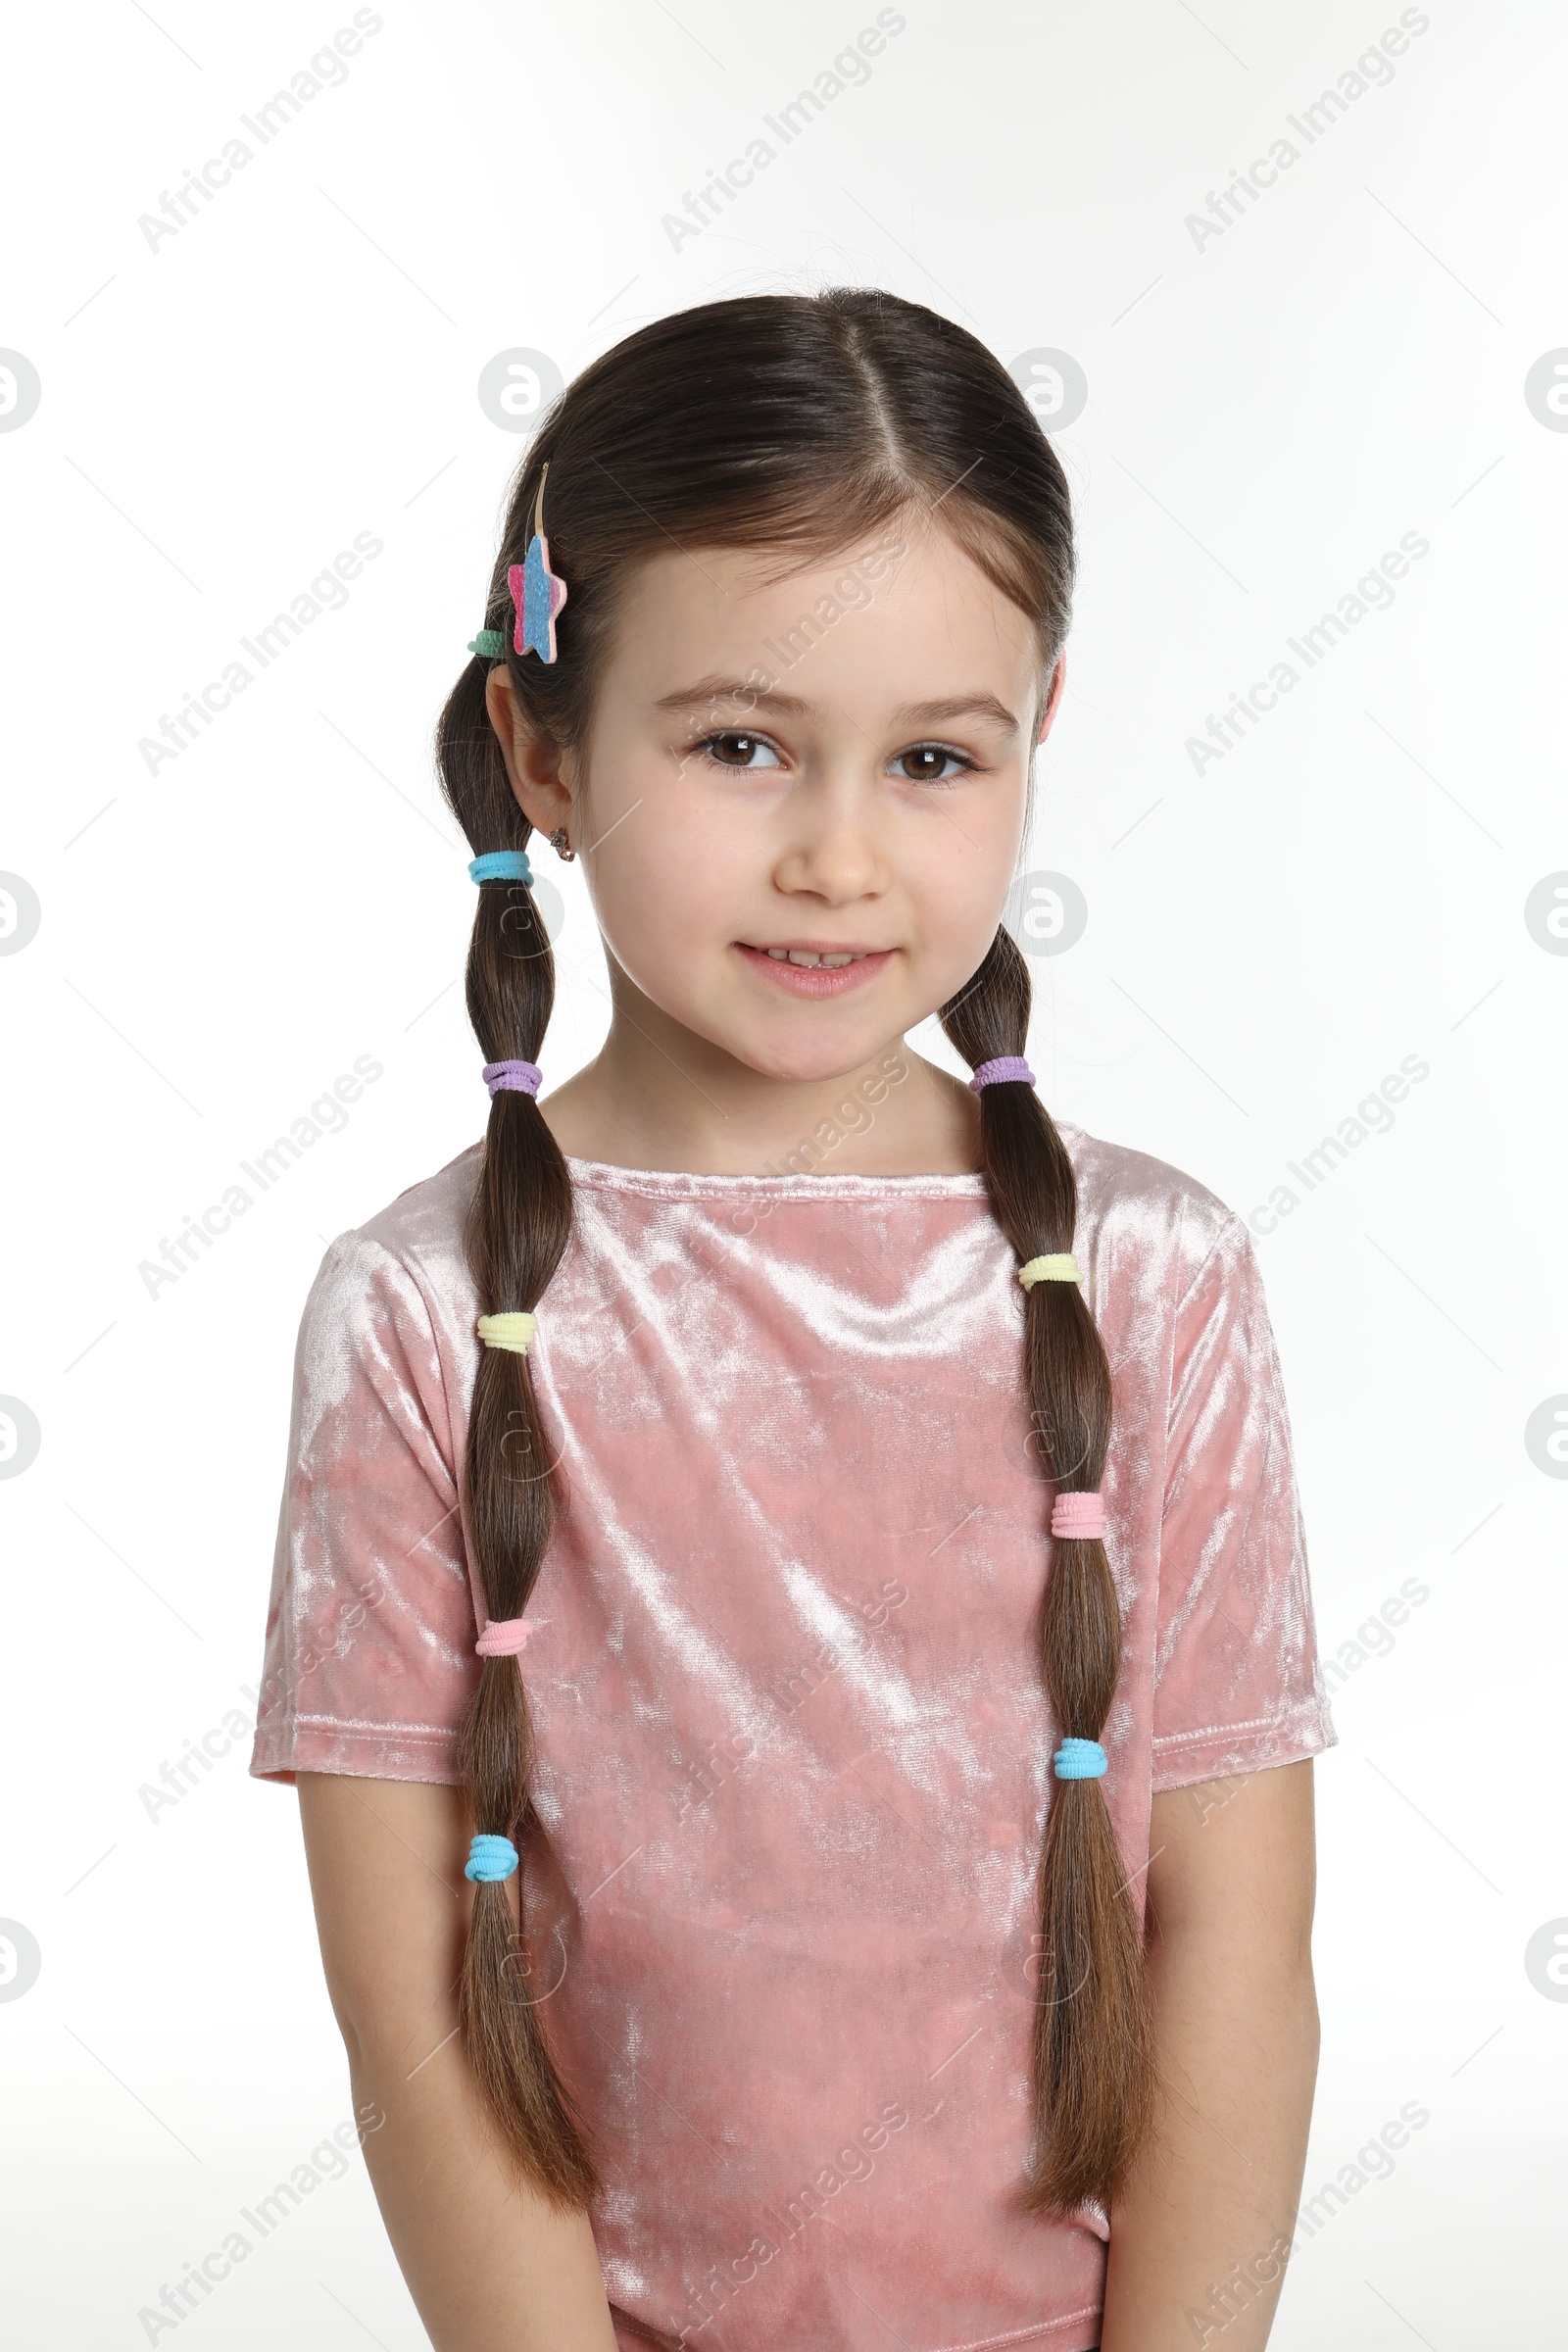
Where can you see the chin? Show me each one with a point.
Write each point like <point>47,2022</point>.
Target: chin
<point>806,1060</point>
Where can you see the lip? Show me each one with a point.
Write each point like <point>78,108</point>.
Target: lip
<point>812,980</point>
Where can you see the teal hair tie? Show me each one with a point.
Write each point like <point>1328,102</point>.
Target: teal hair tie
<point>1080,1760</point>
<point>490,1858</point>
<point>502,866</point>
<point>490,645</point>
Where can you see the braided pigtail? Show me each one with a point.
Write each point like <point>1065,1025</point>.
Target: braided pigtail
<point>519,1225</point>
<point>1093,2050</point>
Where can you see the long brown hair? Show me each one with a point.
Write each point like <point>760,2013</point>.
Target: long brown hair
<point>797,425</point>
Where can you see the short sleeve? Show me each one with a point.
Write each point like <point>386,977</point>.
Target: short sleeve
<point>1237,1681</point>
<point>370,1663</point>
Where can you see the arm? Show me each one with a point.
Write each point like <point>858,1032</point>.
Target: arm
<point>491,2267</point>
<point>1231,1883</point>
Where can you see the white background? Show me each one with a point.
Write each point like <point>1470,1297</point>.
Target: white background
<point>1267,414</point>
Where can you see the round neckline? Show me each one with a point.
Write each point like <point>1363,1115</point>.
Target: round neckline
<point>598,1175</point>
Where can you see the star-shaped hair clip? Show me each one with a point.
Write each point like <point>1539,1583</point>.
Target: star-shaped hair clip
<point>537,592</point>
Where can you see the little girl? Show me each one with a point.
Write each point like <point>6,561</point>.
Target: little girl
<point>790,1626</point>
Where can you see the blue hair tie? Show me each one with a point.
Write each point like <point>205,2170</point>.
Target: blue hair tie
<point>502,866</point>
<point>1080,1760</point>
<point>490,1858</point>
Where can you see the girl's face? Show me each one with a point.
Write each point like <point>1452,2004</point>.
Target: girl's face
<point>801,801</point>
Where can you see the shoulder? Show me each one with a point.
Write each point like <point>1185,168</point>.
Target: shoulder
<point>403,1271</point>
<point>423,1226</point>
<point>1173,1281</point>
<point>1137,1213</point>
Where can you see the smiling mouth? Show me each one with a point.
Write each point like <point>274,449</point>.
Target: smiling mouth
<point>816,970</point>
<point>809,961</point>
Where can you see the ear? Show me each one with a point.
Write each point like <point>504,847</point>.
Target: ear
<point>534,765</point>
<point>1058,680</point>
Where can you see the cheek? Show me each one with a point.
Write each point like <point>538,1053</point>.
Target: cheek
<point>957,864</point>
<point>954,935</point>
<point>674,881</point>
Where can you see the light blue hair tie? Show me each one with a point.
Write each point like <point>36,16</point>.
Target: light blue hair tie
<point>1080,1760</point>
<point>490,645</point>
<point>490,1858</point>
<point>502,866</point>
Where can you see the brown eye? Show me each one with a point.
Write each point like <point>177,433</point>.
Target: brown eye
<point>929,763</point>
<point>736,750</point>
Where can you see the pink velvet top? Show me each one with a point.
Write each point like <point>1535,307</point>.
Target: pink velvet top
<point>793,1755</point>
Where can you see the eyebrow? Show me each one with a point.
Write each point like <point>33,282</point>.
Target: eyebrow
<point>793,706</point>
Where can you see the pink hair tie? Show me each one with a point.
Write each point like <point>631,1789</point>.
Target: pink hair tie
<point>1078,1515</point>
<point>504,1639</point>
<point>1007,1067</point>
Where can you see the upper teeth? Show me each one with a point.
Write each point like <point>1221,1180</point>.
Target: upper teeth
<point>807,956</point>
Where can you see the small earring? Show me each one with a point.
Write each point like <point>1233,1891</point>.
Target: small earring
<point>561,846</point>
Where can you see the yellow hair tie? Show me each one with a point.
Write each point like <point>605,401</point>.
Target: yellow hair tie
<point>511,1332</point>
<point>1061,1267</point>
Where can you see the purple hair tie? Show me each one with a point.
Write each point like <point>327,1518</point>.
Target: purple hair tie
<point>512,1077</point>
<point>1006,1067</point>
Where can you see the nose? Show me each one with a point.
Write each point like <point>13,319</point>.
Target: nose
<point>831,852</point>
